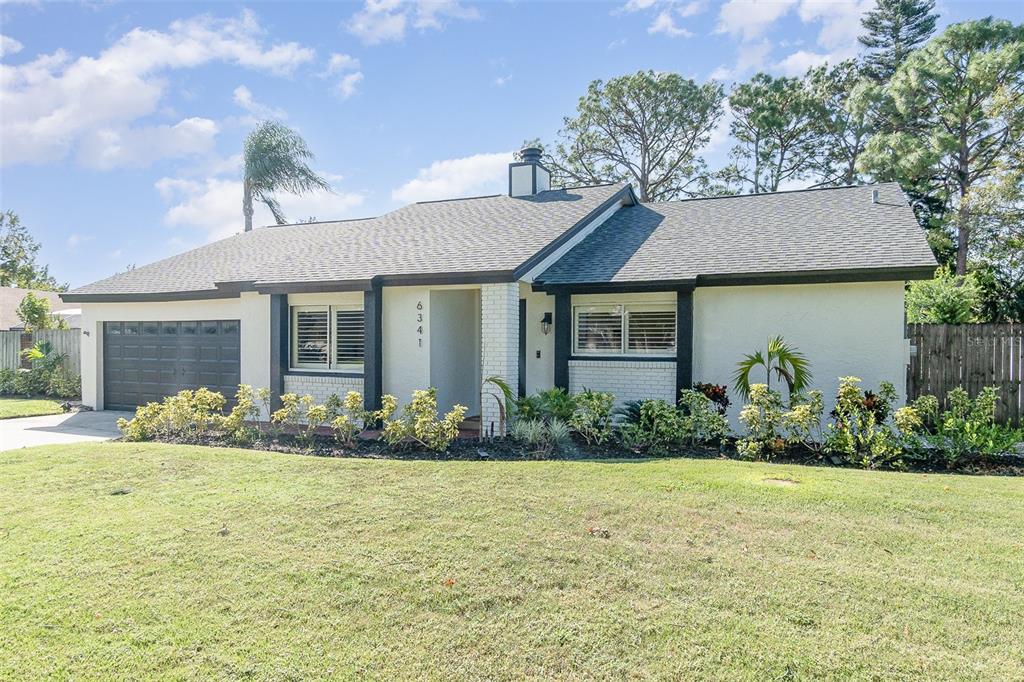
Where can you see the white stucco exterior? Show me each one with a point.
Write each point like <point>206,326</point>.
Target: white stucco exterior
<point>452,337</point>
<point>843,329</point>
<point>252,311</point>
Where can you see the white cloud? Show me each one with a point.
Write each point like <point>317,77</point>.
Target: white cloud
<point>692,8</point>
<point>617,43</point>
<point>840,21</point>
<point>139,146</point>
<point>339,63</point>
<point>797,63</point>
<point>9,46</point>
<point>749,56</point>
<point>451,178</point>
<point>349,67</point>
<point>53,103</point>
<point>213,205</point>
<point>751,18</point>
<point>381,21</point>
<point>502,80</point>
<point>348,83</point>
<point>242,96</point>
<point>664,23</point>
<point>637,5</point>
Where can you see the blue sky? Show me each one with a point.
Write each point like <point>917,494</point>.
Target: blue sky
<point>121,123</point>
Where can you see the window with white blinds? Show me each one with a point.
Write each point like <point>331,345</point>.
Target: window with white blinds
<point>641,329</point>
<point>327,337</point>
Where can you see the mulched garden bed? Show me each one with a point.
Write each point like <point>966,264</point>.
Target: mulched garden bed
<point>507,449</point>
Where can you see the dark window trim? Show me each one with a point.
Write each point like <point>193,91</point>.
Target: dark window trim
<point>622,358</point>
<point>322,373</point>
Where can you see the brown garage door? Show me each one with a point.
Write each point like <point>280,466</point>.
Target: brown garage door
<point>146,361</point>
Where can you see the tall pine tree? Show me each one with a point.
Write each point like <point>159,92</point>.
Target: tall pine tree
<point>894,29</point>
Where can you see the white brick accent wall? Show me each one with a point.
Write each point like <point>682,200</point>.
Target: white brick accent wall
<point>626,380</point>
<point>321,387</point>
<point>499,344</point>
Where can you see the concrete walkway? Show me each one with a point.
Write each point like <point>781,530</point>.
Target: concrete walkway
<point>58,429</point>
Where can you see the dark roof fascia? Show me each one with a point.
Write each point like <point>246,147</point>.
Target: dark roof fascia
<point>316,287</point>
<point>616,287</point>
<point>553,246</point>
<point>819,276</point>
<point>150,297</point>
<point>446,278</point>
<point>749,279</point>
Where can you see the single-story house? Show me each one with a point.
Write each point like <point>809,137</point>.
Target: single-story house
<point>577,287</point>
<point>11,297</point>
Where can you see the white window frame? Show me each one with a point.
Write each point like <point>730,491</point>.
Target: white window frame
<point>332,332</point>
<point>623,309</point>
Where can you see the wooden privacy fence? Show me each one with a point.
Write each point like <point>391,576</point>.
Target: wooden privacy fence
<point>66,341</point>
<point>944,356</point>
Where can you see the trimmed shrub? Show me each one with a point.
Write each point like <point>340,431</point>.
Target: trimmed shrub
<point>542,438</point>
<point>419,423</point>
<point>592,418</point>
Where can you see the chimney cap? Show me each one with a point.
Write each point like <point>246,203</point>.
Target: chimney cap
<point>530,154</point>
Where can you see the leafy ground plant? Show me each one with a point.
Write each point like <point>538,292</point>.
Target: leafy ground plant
<point>542,438</point>
<point>418,421</point>
<point>592,418</point>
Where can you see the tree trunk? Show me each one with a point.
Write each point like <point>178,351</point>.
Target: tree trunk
<point>963,233</point>
<point>247,204</point>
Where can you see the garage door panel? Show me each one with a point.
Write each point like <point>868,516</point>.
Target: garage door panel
<point>147,361</point>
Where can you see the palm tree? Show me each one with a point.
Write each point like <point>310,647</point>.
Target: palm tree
<point>781,359</point>
<point>275,161</point>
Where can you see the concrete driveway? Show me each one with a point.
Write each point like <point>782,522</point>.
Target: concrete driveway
<point>58,429</point>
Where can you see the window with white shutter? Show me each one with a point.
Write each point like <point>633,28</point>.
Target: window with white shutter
<point>327,337</point>
<point>630,329</point>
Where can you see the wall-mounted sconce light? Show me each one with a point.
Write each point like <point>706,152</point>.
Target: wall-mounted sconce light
<point>545,324</point>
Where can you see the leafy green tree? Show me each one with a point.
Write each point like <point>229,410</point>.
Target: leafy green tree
<point>957,119</point>
<point>646,127</point>
<point>841,129</point>
<point>894,29</point>
<point>275,158</point>
<point>780,359</point>
<point>945,299</point>
<point>34,312</point>
<point>774,129</point>
<point>997,211</point>
<point>18,250</point>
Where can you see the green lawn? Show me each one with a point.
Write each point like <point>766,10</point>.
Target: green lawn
<point>27,407</point>
<point>234,564</point>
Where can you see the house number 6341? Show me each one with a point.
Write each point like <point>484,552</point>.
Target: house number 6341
<point>419,323</point>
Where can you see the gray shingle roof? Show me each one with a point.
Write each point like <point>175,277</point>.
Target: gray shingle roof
<point>793,232</point>
<point>478,235</point>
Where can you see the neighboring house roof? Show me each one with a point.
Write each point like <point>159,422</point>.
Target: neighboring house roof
<point>485,237</point>
<point>824,234</point>
<point>10,299</point>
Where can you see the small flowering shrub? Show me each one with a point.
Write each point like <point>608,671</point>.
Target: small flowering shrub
<point>247,409</point>
<point>858,432</point>
<point>966,429</point>
<point>347,417</point>
<point>801,424</point>
<point>418,421</point>
<point>187,414</point>
<point>302,414</point>
<point>762,418</point>
<point>592,418</point>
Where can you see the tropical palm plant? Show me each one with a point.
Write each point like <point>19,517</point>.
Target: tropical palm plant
<point>275,159</point>
<point>780,359</point>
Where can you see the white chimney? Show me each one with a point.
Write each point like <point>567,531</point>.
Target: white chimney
<point>528,176</point>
